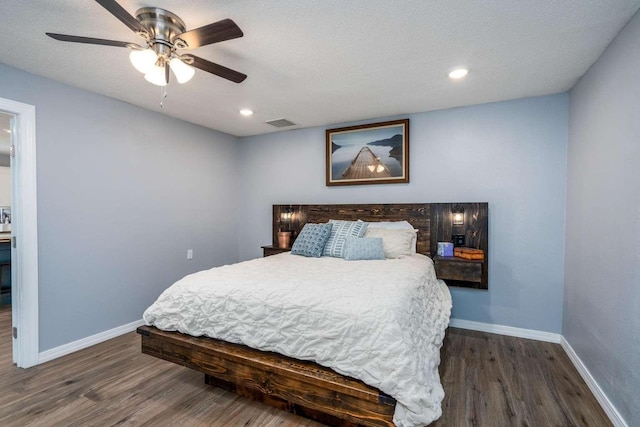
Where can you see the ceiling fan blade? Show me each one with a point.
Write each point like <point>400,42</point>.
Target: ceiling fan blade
<point>218,70</point>
<point>91,40</point>
<point>212,33</point>
<point>125,17</point>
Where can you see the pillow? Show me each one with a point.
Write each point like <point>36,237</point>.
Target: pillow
<point>395,225</point>
<point>361,248</point>
<point>311,240</point>
<point>339,233</point>
<point>396,242</point>
<point>391,224</point>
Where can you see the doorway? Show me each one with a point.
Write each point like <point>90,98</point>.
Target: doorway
<point>5,241</point>
<point>24,232</point>
<point>5,235</point>
<point>5,211</point>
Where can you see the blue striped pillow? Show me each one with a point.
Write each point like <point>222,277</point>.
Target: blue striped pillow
<point>339,233</point>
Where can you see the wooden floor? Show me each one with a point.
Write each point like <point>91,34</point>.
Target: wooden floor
<point>489,380</point>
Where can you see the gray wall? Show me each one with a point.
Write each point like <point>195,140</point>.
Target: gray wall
<point>602,283</point>
<point>122,194</point>
<point>510,154</point>
<point>5,160</point>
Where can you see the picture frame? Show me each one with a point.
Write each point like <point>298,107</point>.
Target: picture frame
<point>376,153</point>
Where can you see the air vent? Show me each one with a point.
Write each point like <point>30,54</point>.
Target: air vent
<point>280,123</point>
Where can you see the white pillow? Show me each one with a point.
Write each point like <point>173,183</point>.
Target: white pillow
<point>398,225</point>
<point>396,243</point>
<point>392,224</point>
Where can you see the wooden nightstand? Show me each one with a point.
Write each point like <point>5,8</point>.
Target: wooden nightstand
<point>460,271</point>
<point>273,250</point>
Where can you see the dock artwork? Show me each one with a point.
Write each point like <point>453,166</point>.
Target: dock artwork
<point>368,154</point>
<point>366,165</point>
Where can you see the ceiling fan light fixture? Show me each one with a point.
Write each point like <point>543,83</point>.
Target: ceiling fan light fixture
<point>143,60</point>
<point>156,76</point>
<point>183,72</point>
<point>165,33</point>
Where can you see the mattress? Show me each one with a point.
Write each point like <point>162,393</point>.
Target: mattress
<point>381,321</point>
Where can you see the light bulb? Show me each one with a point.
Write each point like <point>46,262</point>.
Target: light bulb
<point>458,218</point>
<point>183,72</point>
<point>143,60</point>
<point>156,76</point>
<point>458,73</point>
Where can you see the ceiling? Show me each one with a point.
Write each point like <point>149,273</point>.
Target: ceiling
<point>324,62</point>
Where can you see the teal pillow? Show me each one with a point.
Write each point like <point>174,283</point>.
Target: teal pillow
<point>364,248</point>
<point>311,240</point>
<point>339,233</point>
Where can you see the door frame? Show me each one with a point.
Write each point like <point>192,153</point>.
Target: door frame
<point>24,227</point>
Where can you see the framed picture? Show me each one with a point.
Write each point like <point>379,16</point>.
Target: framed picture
<point>376,153</point>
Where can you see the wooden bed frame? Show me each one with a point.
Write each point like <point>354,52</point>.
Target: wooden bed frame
<point>303,388</point>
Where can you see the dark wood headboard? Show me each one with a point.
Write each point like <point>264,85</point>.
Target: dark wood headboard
<point>432,220</point>
<point>417,214</point>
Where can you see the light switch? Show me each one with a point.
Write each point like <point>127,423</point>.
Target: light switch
<point>189,253</point>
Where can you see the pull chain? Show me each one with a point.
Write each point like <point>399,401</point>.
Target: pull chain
<point>163,95</point>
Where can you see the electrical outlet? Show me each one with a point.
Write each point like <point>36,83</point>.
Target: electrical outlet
<point>189,253</point>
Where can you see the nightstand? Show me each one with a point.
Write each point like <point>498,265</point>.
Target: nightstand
<point>457,271</point>
<point>273,250</point>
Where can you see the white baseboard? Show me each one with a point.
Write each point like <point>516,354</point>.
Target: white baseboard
<point>80,344</point>
<point>506,330</point>
<point>601,397</point>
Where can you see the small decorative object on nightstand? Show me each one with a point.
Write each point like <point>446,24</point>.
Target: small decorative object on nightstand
<point>445,248</point>
<point>284,239</point>
<point>273,250</point>
<point>469,253</point>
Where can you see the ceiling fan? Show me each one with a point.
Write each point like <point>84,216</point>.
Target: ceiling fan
<point>164,34</point>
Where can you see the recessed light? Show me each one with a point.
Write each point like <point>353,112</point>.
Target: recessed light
<point>246,112</point>
<point>458,73</point>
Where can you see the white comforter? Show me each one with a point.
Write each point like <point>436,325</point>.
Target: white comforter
<point>382,322</point>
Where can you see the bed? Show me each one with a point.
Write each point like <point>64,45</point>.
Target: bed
<point>338,341</point>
